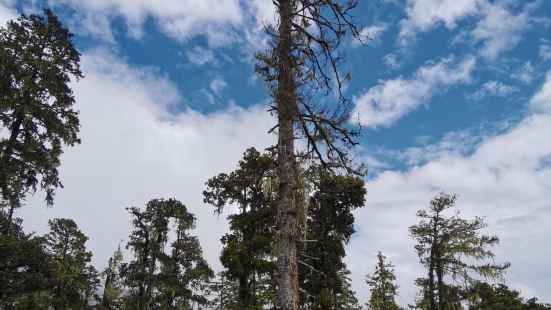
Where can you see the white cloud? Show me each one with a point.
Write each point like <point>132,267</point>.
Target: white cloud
<point>385,103</point>
<point>181,20</point>
<point>137,145</point>
<point>541,102</point>
<point>391,60</point>
<point>373,33</point>
<point>6,14</point>
<point>525,74</point>
<point>507,178</point>
<point>423,15</point>
<point>497,27</point>
<point>545,50</point>
<point>493,89</point>
<point>200,56</point>
<point>218,85</point>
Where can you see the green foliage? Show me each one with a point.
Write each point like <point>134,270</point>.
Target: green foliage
<point>383,289</point>
<point>156,278</point>
<point>446,246</point>
<point>113,287</point>
<point>37,61</point>
<point>74,280</point>
<point>247,254</point>
<point>483,296</point>
<point>25,268</point>
<point>330,224</point>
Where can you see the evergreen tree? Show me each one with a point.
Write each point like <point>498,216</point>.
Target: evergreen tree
<point>329,226</point>
<point>483,296</point>
<point>112,287</point>
<point>450,245</point>
<point>25,268</point>
<point>223,293</point>
<point>247,254</point>
<point>37,61</point>
<point>302,60</point>
<point>383,289</point>
<point>158,279</point>
<point>74,280</point>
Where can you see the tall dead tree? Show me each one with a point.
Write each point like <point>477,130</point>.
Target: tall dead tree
<point>301,65</point>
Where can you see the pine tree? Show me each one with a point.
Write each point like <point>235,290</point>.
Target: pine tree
<point>159,279</point>
<point>329,226</point>
<point>75,280</point>
<point>303,60</point>
<point>484,296</point>
<point>37,61</point>
<point>383,289</point>
<point>450,246</point>
<point>26,270</point>
<point>112,288</point>
<point>247,254</point>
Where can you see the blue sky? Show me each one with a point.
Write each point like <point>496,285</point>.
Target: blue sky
<point>453,95</point>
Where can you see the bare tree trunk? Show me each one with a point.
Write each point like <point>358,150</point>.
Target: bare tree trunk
<point>287,231</point>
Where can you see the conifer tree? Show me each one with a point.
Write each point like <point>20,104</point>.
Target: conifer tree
<point>247,254</point>
<point>37,61</point>
<point>25,268</point>
<point>329,226</point>
<point>74,280</point>
<point>383,289</point>
<point>158,279</point>
<point>112,287</point>
<point>302,62</point>
<point>451,246</point>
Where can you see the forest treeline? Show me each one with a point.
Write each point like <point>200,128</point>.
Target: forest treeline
<point>164,267</point>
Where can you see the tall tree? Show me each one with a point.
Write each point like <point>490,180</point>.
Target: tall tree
<point>75,280</point>
<point>157,278</point>
<point>302,60</point>
<point>450,245</point>
<point>329,226</point>
<point>383,289</point>
<point>247,253</point>
<point>37,61</point>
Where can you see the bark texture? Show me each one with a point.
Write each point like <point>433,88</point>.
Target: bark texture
<point>287,228</point>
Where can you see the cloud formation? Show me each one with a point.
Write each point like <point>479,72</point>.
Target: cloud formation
<point>493,89</point>
<point>390,100</point>
<point>136,146</point>
<point>507,178</point>
<point>498,28</point>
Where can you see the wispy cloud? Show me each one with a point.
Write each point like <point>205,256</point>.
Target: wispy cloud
<point>497,28</point>
<point>493,89</point>
<point>545,50</point>
<point>505,177</point>
<point>385,103</point>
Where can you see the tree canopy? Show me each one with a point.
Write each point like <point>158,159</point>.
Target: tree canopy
<point>37,115</point>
